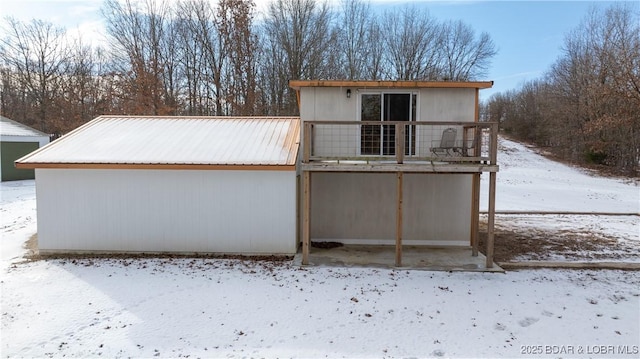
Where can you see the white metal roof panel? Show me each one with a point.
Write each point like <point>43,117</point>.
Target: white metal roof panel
<point>12,128</point>
<point>179,141</point>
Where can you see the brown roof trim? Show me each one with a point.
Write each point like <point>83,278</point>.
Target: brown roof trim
<point>134,166</point>
<point>297,84</point>
<point>170,117</point>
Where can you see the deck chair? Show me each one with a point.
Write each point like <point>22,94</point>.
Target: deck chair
<point>466,148</point>
<point>447,143</point>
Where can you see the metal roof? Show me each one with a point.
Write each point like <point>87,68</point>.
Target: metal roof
<point>12,128</point>
<point>173,142</point>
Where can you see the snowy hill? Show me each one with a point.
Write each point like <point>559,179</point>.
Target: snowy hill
<point>528,181</point>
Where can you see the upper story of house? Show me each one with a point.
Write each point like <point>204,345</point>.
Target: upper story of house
<point>389,126</point>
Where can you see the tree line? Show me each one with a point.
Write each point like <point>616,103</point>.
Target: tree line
<point>586,108</point>
<point>195,57</point>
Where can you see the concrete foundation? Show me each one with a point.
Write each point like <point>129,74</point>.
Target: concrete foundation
<point>413,257</point>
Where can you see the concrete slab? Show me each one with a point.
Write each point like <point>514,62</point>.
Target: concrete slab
<point>413,257</point>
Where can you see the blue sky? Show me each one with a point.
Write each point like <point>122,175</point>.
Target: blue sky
<point>529,34</point>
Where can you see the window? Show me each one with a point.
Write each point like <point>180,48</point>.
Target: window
<point>381,139</point>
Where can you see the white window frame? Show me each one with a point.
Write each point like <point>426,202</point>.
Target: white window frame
<point>382,92</point>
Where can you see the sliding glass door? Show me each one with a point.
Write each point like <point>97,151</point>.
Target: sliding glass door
<point>381,139</point>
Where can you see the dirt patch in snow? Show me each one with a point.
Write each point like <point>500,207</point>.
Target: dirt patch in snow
<point>34,255</point>
<point>557,245</point>
<point>32,245</point>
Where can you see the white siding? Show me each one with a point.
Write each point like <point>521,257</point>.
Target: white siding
<point>328,104</point>
<point>360,207</point>
<point>447,104</point>
<point>443,105</point>
<point>434,104</point>
<point>332,104</point>
<point>247,212</point>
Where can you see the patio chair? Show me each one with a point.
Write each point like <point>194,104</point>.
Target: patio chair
<point>447,143</point>
<point>466,148</point>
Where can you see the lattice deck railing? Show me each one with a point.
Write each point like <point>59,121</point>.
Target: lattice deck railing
<point>400,142</point>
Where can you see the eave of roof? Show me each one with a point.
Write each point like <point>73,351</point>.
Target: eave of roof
<point>298,84</point>
<point>149,166</point>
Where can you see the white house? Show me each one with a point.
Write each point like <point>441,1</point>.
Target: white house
<point>169,184</point>
<point>17,140</point>
<point>367,162</point>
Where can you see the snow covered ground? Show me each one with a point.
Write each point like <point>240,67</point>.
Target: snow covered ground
<point>169,307</point>
<point>530,182</point>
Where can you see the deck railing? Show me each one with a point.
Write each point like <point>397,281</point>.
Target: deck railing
<point>400,142</point>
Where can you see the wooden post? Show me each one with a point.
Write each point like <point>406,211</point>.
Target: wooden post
<point>475,214</point>
<point>493,146</point>
<point>306,142</point>
<point>491,220</point>
<point>400,143</point>
<point>399,220</point>
<point>306,213</point>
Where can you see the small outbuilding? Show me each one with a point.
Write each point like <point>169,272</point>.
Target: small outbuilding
<point>169,184</point>
<point>17,140</point>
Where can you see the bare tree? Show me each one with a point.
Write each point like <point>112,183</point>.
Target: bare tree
<point>273,81</point>
<point>79,90</point>
<point>37,54</point>
<point>376,67</point>
<point>587,107</point>
<point>169,56</point>
<point>412,39</point>
<point>137,35</point>
<point>464,56</point>
<point>235,24</point>
<point>302,29</point>
<point>196,70</point>
<point>353,37</point>
<point>200,57</point>
<point>203,25</point>
<point>598,79</point>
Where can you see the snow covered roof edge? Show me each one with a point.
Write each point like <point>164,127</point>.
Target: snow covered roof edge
<point>9,127</point>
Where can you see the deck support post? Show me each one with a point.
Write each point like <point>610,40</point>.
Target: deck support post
<point>399,176</point>
<point>491,219</point>
<point>475,214</point>
<point>306,216</point>
<point>306,142</point>
<point>399,143</point>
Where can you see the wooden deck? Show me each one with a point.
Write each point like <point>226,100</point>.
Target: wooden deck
<point>418,146</point>
<point>402,147</point>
